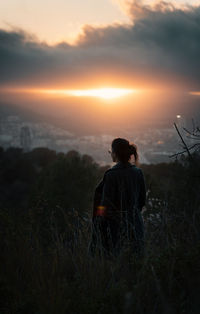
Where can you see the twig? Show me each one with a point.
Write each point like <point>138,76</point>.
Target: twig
<point>184,151</point>
<point>185,145</point>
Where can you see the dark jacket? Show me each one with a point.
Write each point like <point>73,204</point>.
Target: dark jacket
<point>122,189</point>
<point>120,196</point>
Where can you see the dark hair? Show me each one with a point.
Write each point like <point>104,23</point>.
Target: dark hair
<point>123,149</point>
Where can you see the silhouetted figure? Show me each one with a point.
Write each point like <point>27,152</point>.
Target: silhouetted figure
<point>118,201</point>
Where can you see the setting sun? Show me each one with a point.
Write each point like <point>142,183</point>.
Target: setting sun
<point>103,93</point>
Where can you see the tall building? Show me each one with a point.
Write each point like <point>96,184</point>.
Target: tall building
<point>25,138</point>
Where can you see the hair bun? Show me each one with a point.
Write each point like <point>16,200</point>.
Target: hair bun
<point>124,149</point>
<point>132,149</point>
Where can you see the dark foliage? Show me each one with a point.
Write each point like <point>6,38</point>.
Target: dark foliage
<point>45,229</point>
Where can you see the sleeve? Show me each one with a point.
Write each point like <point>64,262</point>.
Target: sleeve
<point>142,191</point>
<point>108,199</point>
<point>97,198</point>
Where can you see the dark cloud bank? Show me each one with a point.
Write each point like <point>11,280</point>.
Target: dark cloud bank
<point>163,41</point>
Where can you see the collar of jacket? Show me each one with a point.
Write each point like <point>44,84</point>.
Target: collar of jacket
<point>122,165</point>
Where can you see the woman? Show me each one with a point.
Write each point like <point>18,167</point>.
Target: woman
<point>118,201</point>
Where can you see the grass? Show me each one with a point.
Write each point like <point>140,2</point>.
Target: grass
<point>46,267</point>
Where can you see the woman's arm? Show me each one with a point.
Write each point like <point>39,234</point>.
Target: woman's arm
<point>97,198</point>
<point>108,200</point>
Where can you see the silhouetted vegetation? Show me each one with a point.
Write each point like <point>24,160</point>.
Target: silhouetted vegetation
<point>44,175</point>
<point>45,225</point>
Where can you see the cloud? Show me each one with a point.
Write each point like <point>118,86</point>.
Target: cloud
<point>161,42</point>
<point>122,5</point>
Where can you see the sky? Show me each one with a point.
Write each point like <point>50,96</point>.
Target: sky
<point>54,21</point>
<point>79,45</point>
<point>62,20</point>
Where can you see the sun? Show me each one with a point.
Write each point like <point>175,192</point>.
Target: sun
<point>104,93</point>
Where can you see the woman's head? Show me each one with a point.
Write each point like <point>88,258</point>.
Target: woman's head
<point>122,150</point>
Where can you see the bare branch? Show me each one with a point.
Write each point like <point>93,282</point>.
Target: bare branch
<point>184,151</point>
<point>191,133</point>
<point>184,144</point>
<point>194,135</point>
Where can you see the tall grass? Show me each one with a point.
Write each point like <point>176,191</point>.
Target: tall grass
<point>46,266</point>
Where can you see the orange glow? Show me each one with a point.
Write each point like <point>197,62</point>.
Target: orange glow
<point>195,93</point>
<point>92,112</point>
<point>103,93</point>
<point>100,210</point>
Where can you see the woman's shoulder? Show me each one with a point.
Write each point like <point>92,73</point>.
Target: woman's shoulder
<point>138,168</point>
<point>115,169</point>
<point>109,175</point>
<point>139,171</point>
<point>108,172</point>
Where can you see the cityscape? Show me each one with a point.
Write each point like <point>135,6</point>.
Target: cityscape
<point>154,144</point>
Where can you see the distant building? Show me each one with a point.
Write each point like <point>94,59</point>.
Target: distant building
<point>25,138</point>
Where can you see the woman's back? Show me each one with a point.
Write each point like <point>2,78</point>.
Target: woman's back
<point>123,189</point>
<point>118,200</point>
